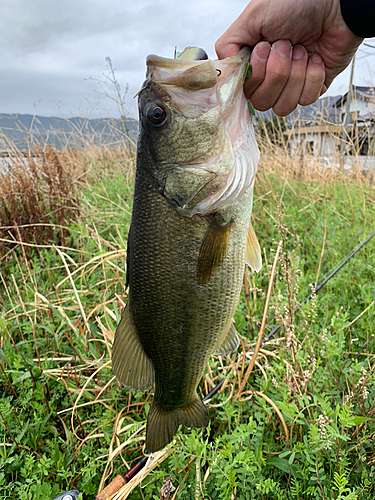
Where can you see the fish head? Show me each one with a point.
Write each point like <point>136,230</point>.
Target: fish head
<point>196,125</point>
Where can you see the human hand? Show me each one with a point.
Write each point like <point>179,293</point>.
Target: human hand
<point>300,46</point>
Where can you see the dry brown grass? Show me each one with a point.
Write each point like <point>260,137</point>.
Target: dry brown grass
<point>43,191</point>
<point>38,195</point>
<point>37,198</point>
<point>93,163</point>
<point>277,156</point>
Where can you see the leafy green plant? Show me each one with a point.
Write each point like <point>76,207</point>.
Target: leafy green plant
<point>299,426</point>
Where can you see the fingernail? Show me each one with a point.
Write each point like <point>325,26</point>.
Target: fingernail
<point>298,52</point>
<point>283,47</point>
<point>262,51</point>
<point>316,59</point>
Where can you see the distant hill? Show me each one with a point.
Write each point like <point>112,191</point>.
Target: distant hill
<point>26,130</point>
<point>22,130</point>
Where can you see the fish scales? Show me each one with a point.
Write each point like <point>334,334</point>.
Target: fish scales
<point>186,316</point>
<point>177,316</point>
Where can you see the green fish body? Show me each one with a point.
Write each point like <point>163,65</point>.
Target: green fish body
<point>190,235</point>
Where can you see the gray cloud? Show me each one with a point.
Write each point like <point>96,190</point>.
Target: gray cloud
<point>53,52</point>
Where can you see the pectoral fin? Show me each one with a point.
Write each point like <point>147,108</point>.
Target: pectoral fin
<point>130,363</point>
<point>230,342</point>
<point>253,256</point>
<point>213,250</point>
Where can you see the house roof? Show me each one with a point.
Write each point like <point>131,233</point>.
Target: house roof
<point>326,111</point>
<point>321,112</point>
<point>317,113</point>
<point>365,94</point>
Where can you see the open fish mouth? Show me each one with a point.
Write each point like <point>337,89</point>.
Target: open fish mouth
<point>225,76</point>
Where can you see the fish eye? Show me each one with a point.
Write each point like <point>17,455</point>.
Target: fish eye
<point>156,114</point>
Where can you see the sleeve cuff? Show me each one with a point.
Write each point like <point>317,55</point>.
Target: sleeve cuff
<point>359,16</point>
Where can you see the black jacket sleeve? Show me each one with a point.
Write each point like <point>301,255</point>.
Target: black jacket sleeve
<point>359,16</point>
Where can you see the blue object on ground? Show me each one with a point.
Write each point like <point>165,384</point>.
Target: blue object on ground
<point>68,495</point>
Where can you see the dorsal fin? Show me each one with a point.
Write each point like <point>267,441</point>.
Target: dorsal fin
<point>193,54</point>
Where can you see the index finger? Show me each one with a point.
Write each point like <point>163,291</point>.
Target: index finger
<point>273,74</point>
<point>245,30</point>
<point>258,61</point>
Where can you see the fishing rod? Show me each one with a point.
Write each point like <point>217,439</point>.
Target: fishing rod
<point>306,299</point>
<point>320,286</point>
<point>113,487</point>
<point>120,480</point>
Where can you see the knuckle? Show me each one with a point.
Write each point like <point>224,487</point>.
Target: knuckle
<point>314,80</point>
<point>261,104</point>
<point>264,98</point>
<point>315,76</point>
<point>279,74</point>
<point>218,45</point>
<point>263,107</point>
<point>309,96</point>
<point>283,109</point>
<point>313,85</point>
<point>251,84</point>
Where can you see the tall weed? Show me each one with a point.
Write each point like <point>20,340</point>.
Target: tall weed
<point>37,199</point>
<point>299,425</point>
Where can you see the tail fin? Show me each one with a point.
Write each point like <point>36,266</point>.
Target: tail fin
<point>162,425</point>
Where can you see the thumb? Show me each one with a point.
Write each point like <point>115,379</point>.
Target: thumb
<point>244,31</point>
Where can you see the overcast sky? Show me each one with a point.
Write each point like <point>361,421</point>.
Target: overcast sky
<point>53,52</point>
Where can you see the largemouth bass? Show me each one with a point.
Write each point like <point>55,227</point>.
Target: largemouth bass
<point>190,233</point>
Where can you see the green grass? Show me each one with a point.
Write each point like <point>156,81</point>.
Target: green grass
<point>64,418</point>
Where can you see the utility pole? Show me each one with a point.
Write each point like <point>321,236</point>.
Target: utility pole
<point>345,135</point>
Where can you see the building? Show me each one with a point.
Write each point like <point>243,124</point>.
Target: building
<point>318,130</point>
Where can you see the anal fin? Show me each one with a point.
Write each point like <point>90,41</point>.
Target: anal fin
<point>130,363</point>
<point>162,425</point>
<point>253,256</point>
<point>213,250</point>
<point>229,343</point>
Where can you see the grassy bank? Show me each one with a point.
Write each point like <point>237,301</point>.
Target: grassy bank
<point>299,426</point>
